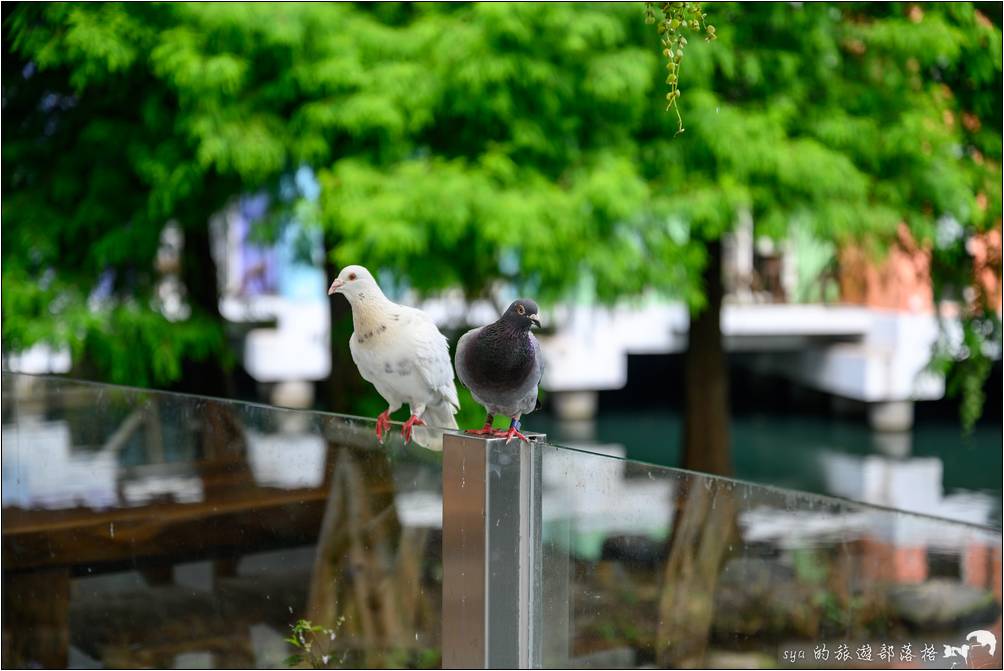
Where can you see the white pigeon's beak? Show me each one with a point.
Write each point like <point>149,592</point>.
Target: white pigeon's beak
<point>535,320</point>
<point>335,286</point>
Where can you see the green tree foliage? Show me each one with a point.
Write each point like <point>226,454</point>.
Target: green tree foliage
<point>467,145</point>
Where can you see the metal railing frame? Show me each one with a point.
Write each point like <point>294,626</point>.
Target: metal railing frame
<point>492,552</point>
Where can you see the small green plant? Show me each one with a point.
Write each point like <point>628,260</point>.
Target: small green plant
<point>314,645</point>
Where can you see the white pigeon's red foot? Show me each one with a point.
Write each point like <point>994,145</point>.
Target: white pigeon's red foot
<point>382,424</point>
<point>413,421</point>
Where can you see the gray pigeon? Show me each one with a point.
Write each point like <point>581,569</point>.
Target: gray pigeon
<point>401,352</point>
<point>501,364</point>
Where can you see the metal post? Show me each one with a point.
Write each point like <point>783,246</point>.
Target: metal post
<point>491,552</point>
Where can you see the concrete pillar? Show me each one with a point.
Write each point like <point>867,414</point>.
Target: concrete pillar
<point>293,394</point>
<point>577,431</point>
<point>891,415</point>
<point>575,405</point>
<point>894,444</point>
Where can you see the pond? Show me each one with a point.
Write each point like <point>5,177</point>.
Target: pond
<point>932,470</point>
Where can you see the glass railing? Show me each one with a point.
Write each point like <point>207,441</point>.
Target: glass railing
<point>162,530</point>
<point>153,529</point>
<point>666,568</point>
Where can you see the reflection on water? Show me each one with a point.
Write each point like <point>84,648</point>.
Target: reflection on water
<point>932,470</point>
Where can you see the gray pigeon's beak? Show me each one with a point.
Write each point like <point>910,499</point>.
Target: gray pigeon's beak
<point>335,286</point>
<point>535,320</point>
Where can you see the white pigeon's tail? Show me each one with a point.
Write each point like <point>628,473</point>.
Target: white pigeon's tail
<point>436,417</point>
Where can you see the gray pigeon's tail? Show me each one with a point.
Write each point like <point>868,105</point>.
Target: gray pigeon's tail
<point>436,418</point>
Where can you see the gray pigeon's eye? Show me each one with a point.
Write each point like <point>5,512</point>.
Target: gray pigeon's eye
<point>520,309</point>
<point>352,276</point>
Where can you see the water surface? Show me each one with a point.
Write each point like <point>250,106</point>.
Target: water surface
<point>934,469</point>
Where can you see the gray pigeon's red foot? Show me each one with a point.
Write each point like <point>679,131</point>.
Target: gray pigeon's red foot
<point>485,430</point>
<point>382,424</point>
<point>406,429</point>
<point>513,432</point>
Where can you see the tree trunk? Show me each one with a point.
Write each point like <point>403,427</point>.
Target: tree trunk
<point>344,383</point>
<point>704,530</point>
<point>704,521</point>
<point>706,436</point>
<point>198,274</point>
<point>367,582</point>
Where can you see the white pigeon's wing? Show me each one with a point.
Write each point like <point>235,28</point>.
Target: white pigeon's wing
<point>369,366</point>
<point>432,355</point>
<point>358,357</point>
<point>370,370</point>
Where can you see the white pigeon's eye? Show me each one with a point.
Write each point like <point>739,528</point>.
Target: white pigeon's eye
<point>352,276</point>
<point>520,309</point>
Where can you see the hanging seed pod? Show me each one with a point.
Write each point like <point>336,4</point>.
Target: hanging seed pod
<point>672,18</point>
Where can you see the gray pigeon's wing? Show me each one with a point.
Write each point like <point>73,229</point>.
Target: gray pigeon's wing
<point>529,402</point>
<point>538,360</point>
<point>460,356</point>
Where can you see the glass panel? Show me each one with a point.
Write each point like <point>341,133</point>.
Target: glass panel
<point>154,529</point>
<point>151,529</point>
<point>648,566</point>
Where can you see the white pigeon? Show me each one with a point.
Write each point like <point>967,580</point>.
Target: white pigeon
<point>400,351</point>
